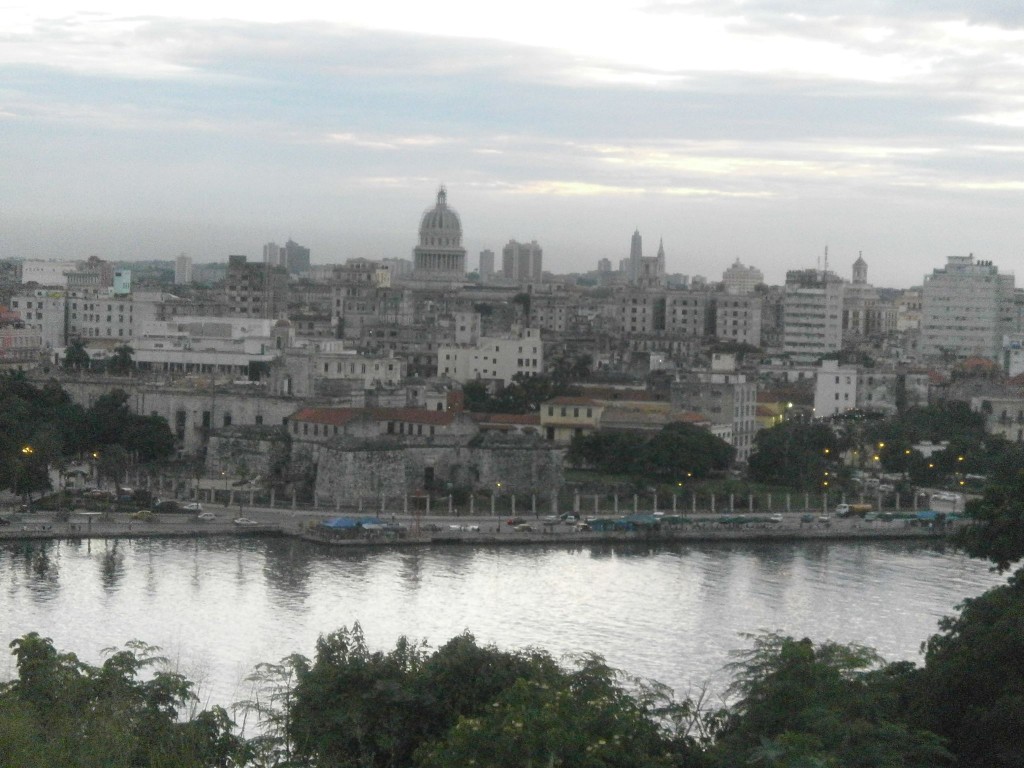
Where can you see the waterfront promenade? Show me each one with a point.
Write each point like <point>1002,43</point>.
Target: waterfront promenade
<point>483,530</point>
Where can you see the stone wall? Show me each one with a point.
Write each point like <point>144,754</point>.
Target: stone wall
<point>521,464</point>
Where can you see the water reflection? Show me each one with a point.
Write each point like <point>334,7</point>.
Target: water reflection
<point>218,606</point>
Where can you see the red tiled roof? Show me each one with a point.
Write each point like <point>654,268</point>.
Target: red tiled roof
<point>341,416</point>
<point>570,401</point>
<point>526,419</point>
<point>621,395</point>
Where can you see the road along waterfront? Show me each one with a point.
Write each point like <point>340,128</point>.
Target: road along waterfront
<point>220,604</point>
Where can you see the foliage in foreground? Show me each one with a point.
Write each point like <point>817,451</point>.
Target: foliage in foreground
<point>796,704</point>
<point>129,711</point>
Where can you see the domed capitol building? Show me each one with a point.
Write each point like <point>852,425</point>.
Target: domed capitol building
<point>440,256</point>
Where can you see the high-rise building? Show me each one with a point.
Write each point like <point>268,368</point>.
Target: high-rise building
<point>486,269</point>
<point>440,256</point>
<point>273,255</point>
<point>604,265</point>
<point>255,290</point>
<point>183,270</point>
<point>966,307</point>
<point>812,307</point>
<point>739,279</point>
<point>296,258</point>
<point>522,262</point>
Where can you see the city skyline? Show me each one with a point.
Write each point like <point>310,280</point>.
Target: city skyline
<point>763,131</point>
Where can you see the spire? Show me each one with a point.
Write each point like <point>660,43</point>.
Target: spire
<point>442,195</point>
<point>661,248</point>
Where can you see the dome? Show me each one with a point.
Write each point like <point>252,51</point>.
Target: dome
<point>440,225</point>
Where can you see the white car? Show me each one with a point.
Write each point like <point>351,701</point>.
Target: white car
<point>206,516</point>
<point>244,521</point>
<point>192,506</point>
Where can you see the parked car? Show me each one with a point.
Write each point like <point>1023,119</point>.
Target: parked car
<point>514,521</point>
<point>206,516</point>
<point>524,527</point>
<point>167,506</point>
<point>824,519</point>
<point>244,521</point>
<point>192,506</point>
<point>143,514</point>
<point>776,518</point>
<point>431,527</point>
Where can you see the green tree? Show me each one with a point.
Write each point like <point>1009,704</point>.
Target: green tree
<point>578,717</point>
<point>130,711</point>
<point>121,361</point>
<point>971,690</point>
<point>795,455</point>
<point>683,450</point>
<point>996,532</point>
<point>802,704</point>
<point>76,358</point>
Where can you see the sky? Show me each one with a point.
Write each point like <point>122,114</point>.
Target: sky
<point>758,130</point>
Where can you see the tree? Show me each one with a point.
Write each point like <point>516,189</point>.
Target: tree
<point>802,704</point>
<point>971,690</point>
<point>76,358</point>
<point>130,711</point>
<point>579,717</point>
<point>121,361</point>
<point>683,450</point>
<point>996,532</point>
<point>795,455</point>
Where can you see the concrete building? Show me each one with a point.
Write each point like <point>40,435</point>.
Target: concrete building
<point>863,316</point>
<point>812,314</point>
<point>674,313</point>
<point>43,310</point>
<point>48,273</point>
<point>737,318</point>
<point>296,258</point>
<point>493,358</point>
<point>182,270</point>
<point>255,290</point>
<point>563,418</point>
<point>1004,415</point>
<point>486,269</point>
<point>327,368</point>
<point>20,345</point>
<point>835,389</point>
<point>522,262</point>
<point>739,280</point>
<point>440,257</point>
<point>725,396</point>
<point>966,308</point>
<point>273,255</point>
<point>229,346</point>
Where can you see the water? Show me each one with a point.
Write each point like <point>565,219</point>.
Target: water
<point>219,606</point>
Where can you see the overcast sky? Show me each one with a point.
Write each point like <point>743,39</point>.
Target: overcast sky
<point>763,130</point>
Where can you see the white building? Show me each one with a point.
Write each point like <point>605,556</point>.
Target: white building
<point>216,345</point>
<point>835,389</point>
<point>966,308</point>
<point>43,310</point>
<point>46,272</point>
<point>440,257</point>
<point>739,279</point>
<point>493,358</point>
<point>812,306</point>
<point>183,270</point>
<point>522,262</point>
